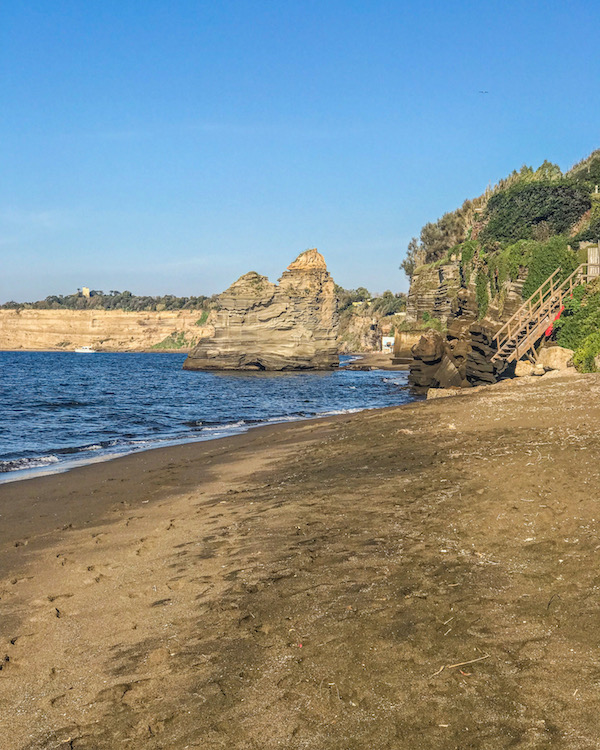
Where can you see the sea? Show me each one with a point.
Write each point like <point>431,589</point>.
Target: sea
<point>63,409</point>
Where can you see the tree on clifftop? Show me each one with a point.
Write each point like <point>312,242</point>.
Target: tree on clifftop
<point>414,257</point>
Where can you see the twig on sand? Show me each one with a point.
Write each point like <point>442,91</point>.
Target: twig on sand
<point>471,661</point>
<point>554,596</point>
<point>460,664</point>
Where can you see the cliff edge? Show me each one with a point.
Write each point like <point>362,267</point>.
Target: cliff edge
<point>291,325</point>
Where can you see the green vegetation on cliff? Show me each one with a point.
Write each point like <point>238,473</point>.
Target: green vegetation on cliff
<point>579,326</point>
<point>534,210</point>
<point>524,228</point>
<point>175,340</point>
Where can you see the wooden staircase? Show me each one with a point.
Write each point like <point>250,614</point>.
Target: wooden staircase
<point>519,335</point>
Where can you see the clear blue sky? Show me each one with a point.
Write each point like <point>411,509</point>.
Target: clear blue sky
<point>170,146</point>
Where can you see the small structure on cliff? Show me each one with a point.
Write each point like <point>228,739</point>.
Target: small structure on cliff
<point>291,325</point>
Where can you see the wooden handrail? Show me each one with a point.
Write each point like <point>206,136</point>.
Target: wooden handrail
<point>539,313</point>
<point>526,304</point>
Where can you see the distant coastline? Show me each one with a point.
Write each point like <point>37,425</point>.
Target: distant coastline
<point>103,330</point>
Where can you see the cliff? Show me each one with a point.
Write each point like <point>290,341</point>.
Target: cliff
<point>432,290</point>
<point>291,325</point>
<point>104,330</point>
<point>473,268</point>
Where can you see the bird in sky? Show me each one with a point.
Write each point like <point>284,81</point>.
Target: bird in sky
<point>484,92</point>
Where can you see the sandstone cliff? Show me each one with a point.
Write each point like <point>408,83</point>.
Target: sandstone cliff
<point>104,330</point>
<point>432,291</point>
<point>438,291</point>
<point>264,326</point>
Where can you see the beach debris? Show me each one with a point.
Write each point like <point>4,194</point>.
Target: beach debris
<point>460,664</point>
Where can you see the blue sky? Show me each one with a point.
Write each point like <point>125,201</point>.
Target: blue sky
<point>169,147</point>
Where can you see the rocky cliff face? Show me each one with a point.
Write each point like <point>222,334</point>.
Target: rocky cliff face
<point>432,291</point>
<point>106,330</point>
<point>438,291</point>
<point>461,357</point>
<point>264,326</point>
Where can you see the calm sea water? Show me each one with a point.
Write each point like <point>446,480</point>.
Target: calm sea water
<point>58,409</point>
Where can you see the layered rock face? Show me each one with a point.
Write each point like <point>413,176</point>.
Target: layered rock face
<point>462,356</point>
<point>437,290</point>
<point>291,325</point>
<point>104,330</point>
<point>432,290</point>
<point>456,360</point>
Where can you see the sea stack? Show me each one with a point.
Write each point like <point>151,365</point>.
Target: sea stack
<point>291,325</point>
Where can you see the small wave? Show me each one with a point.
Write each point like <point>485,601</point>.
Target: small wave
<point>202,423</point>
<point>339,411</point>
<point>226,426</point>
<point>26,463</point>
<point>79,449</point>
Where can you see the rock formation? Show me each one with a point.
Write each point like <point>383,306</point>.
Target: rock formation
<point>436,291</point>
<point>555,358</point>
<point>457,360</point>
<point>264,326</point>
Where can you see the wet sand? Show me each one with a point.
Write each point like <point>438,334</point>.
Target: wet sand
<point>374,361</point>
<point>415,577</point>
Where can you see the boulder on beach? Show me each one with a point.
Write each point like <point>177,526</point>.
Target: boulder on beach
<point>523,368</point>
<point>555,358</point>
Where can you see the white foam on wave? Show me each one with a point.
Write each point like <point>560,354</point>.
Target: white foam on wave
<point>18,464</point>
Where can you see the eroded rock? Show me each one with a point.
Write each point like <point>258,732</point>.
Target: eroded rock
<point>291,325</point>
<point>447,362</point>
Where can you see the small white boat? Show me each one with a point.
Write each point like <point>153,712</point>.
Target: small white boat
<point>85,350</point>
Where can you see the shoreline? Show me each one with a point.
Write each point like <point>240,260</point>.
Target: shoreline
<point>413,576</point>
<point>47,470</point>
<point>196,420</point>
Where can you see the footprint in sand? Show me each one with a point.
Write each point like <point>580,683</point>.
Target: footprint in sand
<point>53,598</point>
<point>176,584</point>
<point>133,518</point>
<point>146,545</point>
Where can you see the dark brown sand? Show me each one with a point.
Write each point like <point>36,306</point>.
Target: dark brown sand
<point>419,577</point>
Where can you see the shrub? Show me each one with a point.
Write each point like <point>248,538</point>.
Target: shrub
<point>515,213</point>
<point>468,250</point>
<point>175,340</point>
<point>544,258</point>
<point>587,171</point>
<point>580,319</point>
<point>585,354</point>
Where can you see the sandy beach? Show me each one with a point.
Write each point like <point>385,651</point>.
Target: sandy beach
<point>414,577</point>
